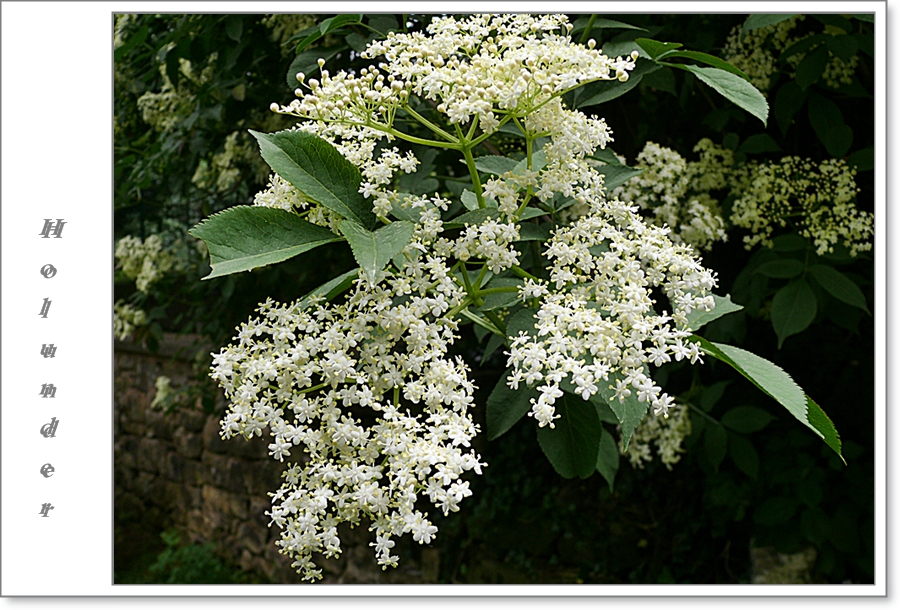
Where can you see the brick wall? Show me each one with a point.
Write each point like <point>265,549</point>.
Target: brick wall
<point>172,470</point>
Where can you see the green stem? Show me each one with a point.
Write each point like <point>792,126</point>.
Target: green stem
<point>473,172</point>
<point>496,290</point>
<point>587,30</point>
<point>495,319</point>
<point>523,274</point>
<point>429,124</point>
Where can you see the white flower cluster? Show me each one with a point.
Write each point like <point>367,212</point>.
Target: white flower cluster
<point>597,324</point>
<point>367,391</point>
<point>144,261</point>
<point>126,319</point>
<point>163,387</point>
<point>756,53</point>
<point>677,191</point>
<point>166,108</point>
<point>667,434</point>
<point>818,198</point>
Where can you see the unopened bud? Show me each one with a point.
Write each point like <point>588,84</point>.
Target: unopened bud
<point>300,76</point>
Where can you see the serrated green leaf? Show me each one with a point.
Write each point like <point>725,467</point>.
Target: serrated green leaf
<point>406,212</point>
<point>629,412</point>
<point>331,288</point>
<point>615,176</point>
<point>839,286</point>
<point>655,48</point>
<point>735,89</point>
<point>315,168</point>
<point>782,268</point>
<point>608,458</point>
<point>529,213</point>
<point>772,380</point>
<point>493,164</point>
<point>755,22</point>
<point>823,425</point>
<point>708,59</point>
<point>374,249</point>
<point>743,454</point>
<point>715,443</point>
<point>245,237</point>
<point>573,443</point>
<point>724,306</point>
<point>746,419</point>
<point>470,200</point>
<point>793,309</point>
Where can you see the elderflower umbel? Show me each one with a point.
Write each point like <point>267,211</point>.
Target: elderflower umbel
<point>144,261</point>
<point>818,198</point>
<point>667,434</point>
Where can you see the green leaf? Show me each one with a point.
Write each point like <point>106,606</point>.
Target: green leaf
<point>724,306</point>
<point>708,59</point>
<point>501,299</point>
<point>616,175</point>
<point>715,443</point>
<point>746,419</point>
<point>331,288</point>
<point>528,231</point>
<point>839,286</point>
<point>793,309</point>
<point>131,42</point>
<point>755,22</point>
<point>789,242</point>
<point>782,268</point>
<point>863,159</point>
<point>522,320</point>
<point>828,123</point>
<point>473,217</point>
<point>308,62</point>
<point>316,169</point>
<point>772,380</point>
<point>573,443</point>
<point>629,412</point>
<point>823,425</point>
<point>743,454</point>
<point>867,17</point>
<point>735,89</point>
<point>607,156</point>
<point>333,23</point>
<point>234,26</point>
<point>374,249</point>
<point>493,164</point>
<point>601,92</point>
<point>759,143</point>
<point>775,511</point>
<point>843,46</point>
<point>655,48</point>
<point>608,458</point>
<point>406,212</point>
<point>245,237</point>
<point>600,24</point>
<point>788,101</point>
<point>811,67</point>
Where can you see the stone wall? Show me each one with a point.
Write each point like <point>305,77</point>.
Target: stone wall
<point>172,470</point>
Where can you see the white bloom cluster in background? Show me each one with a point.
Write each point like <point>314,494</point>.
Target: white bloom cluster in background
<point>126,319</point>
<point>144,261</point>
<point>819,199</point>
<point>677,191</point>
<point>667,434</point>
<point>757,52</point>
